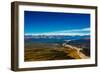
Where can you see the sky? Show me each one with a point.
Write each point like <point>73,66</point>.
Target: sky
<point>54,23</point>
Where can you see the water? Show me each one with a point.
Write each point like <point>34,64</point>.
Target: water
<point>52,40</point>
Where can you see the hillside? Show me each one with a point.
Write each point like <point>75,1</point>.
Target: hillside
<point>42,52</point>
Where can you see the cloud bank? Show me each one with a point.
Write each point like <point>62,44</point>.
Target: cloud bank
<point>73,32</point>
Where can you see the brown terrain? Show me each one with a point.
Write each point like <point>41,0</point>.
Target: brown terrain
<point>42,52</point>
<point>74,52</point>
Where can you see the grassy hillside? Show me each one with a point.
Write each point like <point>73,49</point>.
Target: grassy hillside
<point>43,51</point>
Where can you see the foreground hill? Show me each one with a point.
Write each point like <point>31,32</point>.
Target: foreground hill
<point>56,47</point>
<point>46,51</point>
<point>82,43</point>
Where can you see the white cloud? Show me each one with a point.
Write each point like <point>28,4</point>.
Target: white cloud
<point>73,32</point>
<point>76,30</point>
<point>86,29</point>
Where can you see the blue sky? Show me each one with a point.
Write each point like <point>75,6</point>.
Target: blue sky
<point>52,23</point>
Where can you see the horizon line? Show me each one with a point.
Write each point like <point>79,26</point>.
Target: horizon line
<point>78,34</point>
